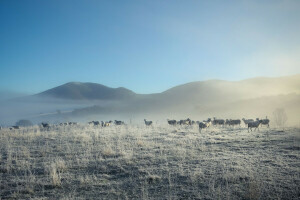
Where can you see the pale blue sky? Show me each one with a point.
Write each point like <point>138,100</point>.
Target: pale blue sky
<point>145,46</point>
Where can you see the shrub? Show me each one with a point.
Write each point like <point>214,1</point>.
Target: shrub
<point>280,117</point>
<point>24,122</point>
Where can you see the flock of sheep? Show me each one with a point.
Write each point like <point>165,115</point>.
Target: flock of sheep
<point>250,123</point>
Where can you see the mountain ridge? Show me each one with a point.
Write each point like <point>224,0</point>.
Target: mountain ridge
<point>96,91</point>
<point>87,91</point>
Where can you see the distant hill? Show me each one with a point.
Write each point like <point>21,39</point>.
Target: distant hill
<point>87,91</point>
<point>210,92</point>
<point>220,91</point>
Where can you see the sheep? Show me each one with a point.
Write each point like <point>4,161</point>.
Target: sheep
<point>185,122</point>
<point>233,122</point>
<point>64,124</point>
<point>265,122</point>
<point>147,123</point>
<point>208,122</point>
<point>171,122</point>
<point>106,124</point>
<point>203,125</point>
<point>119,122</point>
<point>14,127</point>
<point>247,121</point>
<point>95,123</point>
<point>254,124</point>
<point>72,123</point>
<point>218,121</point>
<point>45,126</point>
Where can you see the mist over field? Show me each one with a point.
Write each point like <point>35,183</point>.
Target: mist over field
<point>251,98</point>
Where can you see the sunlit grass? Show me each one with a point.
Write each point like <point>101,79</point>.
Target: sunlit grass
<point>158,162</point>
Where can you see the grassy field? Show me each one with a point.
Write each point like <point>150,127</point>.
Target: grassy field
<point>159,162</point>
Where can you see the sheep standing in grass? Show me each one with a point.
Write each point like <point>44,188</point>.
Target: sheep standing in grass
<point>45,126</point>
<point>95,123</point>
<point>233,122</point>
<point>218,121</point>
<point>203,125</point>
<point>254,124</point>
<point>106,124</point>
<point>247,121</point>
<point>147,123</point>
<point>119,122</point>
<point>265,122</point>
<point>14,127</point>
<point>171,122</point>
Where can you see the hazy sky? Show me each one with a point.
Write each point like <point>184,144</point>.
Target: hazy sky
<point>146,46</point>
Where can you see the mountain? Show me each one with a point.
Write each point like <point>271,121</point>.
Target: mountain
<point>220,91</point>
<point>208,92</point>
<point>87,91</point>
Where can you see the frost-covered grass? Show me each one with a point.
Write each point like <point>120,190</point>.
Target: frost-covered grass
<point>159,162</point>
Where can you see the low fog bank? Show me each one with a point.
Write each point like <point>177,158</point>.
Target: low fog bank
<point>136,112</point>
<point>37,109</point>
<point>252,98</point>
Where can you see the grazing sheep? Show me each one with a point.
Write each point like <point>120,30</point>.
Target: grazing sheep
<point>147,123</point>
<point>45,126</point>
<point>233,122</point>
<point>254,124</point>
<point>207,122</point>
<point>247,121</point>
<point>171,122</point>
<point>64,124</point>
<point>203,125</point>
<point>106,124</point>
<point>218,121</point>
<point>119,122</point>
<point>265,122</point>
<point>185,122</point>
<point>95,123</point>
<point>14,127</point>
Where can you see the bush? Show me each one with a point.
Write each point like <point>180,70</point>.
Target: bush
<point>280,117</point>
<point>24,122</point>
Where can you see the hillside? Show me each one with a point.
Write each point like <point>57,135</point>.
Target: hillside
<point>87,91</point>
